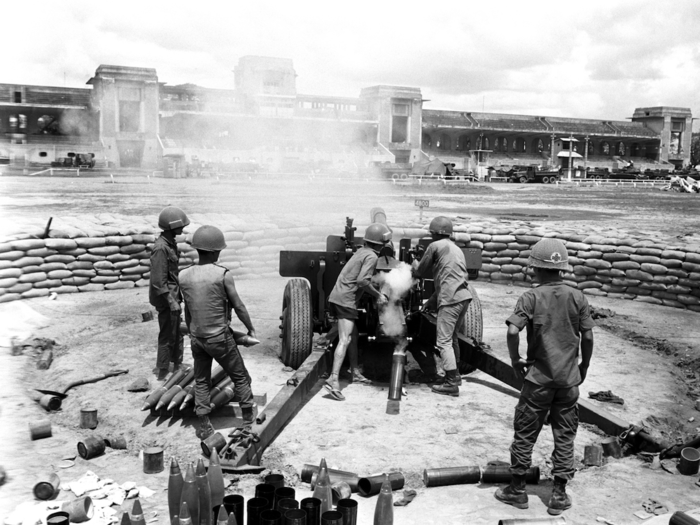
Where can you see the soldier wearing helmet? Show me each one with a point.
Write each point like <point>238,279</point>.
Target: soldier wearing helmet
<point>558,322</point>
<point>354,280</point>
<point>449,270</point>
<point>164,289</point>
<point>210,294</point>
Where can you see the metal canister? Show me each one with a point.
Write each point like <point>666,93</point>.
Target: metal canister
<point>91,447</point>
<point>88,418</point>
<point>689,463</point>
<point>47,486</point>
<point>40,429</point>
<point>153,460</point>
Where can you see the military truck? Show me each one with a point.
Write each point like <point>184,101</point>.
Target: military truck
<point>525,174</point>
<point>76,160</point>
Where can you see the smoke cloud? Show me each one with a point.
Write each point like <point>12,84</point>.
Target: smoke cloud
<point>395,285</point>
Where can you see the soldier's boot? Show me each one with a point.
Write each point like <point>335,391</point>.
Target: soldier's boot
<point>205,428</point>
<point>514,494</point>
<point>559,501</point>
<point>458,360</point>
<point>436,379</point>
<point>451,385</point>
<point>248,414</point>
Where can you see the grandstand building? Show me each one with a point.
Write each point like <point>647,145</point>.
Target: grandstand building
<point>127,118</point>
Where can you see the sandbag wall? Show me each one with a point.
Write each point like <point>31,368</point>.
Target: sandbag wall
<point>74,260</point>
<point>645,270</point>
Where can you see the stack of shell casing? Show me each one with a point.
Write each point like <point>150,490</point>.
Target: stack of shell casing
<point>177,393</point>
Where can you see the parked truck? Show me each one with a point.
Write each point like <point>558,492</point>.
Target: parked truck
<point>77,160</point>
<point>626,174</point>
<point>525,174</point>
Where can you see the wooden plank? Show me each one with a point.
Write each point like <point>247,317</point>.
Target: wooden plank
<point>284,405</point>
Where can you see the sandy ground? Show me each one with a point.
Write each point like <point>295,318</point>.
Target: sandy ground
<point>637,355</point>
<point>101,331</point>
<point>27,202</point>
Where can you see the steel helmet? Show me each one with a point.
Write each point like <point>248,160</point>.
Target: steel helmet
<point>377,233</point>
<point>441,225</point>
<point>549,253</point>
<point>208,239</point>
<point>172,218</point>
<point>386,263</point>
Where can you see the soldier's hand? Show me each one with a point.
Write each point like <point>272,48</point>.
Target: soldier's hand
<point>521,367</point>
<point>583,370</point>
<point>382,299</point>
<point>251,333</point>
<point>174,305</point>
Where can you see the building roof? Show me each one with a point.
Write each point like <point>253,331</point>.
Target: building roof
<point>45,96</point>
<point>510,124</point>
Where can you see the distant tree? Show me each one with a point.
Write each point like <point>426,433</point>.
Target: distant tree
<point>695,150</point>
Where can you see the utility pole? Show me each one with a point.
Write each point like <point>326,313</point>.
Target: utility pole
<point>571,145</point>
<point>551,151</point>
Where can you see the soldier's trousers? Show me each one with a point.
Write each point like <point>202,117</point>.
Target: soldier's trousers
<point>530,412</point>
<point>450,319</point>
<point>223,349</point>
<point>170,339</point>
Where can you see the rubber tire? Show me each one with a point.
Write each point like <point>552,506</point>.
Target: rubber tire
<point>297,323</point>
<point>545,180</point>
<point>522,180</point>
<point>473,326</point>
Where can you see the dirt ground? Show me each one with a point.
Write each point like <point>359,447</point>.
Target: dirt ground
<point>647,354</point>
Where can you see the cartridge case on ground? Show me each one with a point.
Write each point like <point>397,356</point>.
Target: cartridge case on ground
<point>350,478</point>
<point>40,429</point>
<point>501,474</point>
<point>440,477</point>
<point>88,418</point>
<point>152,460</point>
<point>47,486</point>
<point>372,485</point>
<point>91,447</point>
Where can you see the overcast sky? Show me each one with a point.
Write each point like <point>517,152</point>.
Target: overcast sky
<point>590,59</point>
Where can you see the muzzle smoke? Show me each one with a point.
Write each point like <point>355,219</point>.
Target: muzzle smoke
<point>395,285</point>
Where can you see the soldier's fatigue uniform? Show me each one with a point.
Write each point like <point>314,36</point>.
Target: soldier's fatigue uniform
<point>453,297</point>
<point>208,313</point>
<point>164,282</point>
<point>355,276</point>
<point>555,314</point>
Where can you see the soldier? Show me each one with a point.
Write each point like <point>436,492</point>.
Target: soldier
<point>210,293</point>
<point>354,280</point>
<point>452,295</point>
<point>558,319</point>
<point>164,290</point>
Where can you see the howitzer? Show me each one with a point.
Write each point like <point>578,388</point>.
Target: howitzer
<point>304,312</point>
<point>314,274</point>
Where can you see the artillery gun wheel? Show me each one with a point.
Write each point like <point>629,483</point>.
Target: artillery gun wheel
<point>297,328</point>
<point>473,327</point>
